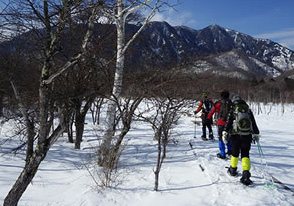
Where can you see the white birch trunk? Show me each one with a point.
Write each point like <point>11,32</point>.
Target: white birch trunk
<point>118,79</point>
<point>120,19</point>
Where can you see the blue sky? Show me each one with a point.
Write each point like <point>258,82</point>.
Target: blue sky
<point>270,19</point>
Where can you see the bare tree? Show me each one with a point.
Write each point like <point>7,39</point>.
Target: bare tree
<point>163,116</point>
<point>127,113</point>
<point>96,110</point>
<point>80,115</point>
<point>126,110</point>
<point>29,123</point>
<point>54,20</point>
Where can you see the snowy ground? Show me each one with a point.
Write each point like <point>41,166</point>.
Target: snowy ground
<point>64,180</point>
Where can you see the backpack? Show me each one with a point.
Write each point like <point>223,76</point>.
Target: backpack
<point>224,109</point>
<point>242,122</point>
<point>206,105</point>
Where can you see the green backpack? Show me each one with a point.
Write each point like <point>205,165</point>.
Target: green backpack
<point>242,122</point>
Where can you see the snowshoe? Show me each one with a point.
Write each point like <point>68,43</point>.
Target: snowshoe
<point>203,138</point>
<point>232,171</point>
<point>245,179</point>
<point>221,156</point>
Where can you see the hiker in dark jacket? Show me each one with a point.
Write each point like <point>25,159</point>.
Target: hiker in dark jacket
<point>242,129</point>
<point>205,106</point>
<point>222,108</point>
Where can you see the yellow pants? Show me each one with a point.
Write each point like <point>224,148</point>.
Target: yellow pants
<point>246,165</point>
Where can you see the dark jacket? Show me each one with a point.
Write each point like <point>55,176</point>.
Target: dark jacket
<point>217,108</point>
<point>201,107</point>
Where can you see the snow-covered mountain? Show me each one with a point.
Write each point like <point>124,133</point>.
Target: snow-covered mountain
<point>212,49</point>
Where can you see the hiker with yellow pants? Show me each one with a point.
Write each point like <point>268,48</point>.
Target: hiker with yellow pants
<point>243,130</point>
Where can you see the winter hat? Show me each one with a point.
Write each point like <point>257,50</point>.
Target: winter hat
<point>204,95</point>
<point>225,94</point>
<point>236,98</point>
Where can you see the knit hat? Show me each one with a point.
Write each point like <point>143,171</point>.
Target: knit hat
<point>225,94</point>
<point>204,95</point>
<point>236,98</point>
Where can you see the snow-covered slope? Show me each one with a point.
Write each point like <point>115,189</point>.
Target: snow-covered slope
<point>63,178</point>
<point>233,63</point>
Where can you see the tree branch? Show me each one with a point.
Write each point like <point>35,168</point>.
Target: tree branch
<point>143,25</point>
<point>86,40</point>
<point>38,14</point>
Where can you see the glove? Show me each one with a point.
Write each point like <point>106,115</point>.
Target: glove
<point>255,138</point>
<point>225,137</point>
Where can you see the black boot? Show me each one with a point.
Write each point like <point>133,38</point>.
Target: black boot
<point>232,171</point>
<point>211,136</point>
<point>245,179</point>
<point>220,156</point>
<point>203,137</point>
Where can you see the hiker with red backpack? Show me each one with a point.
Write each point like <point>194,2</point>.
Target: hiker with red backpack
<point>205,106</point>
<point>243,131</point>
<point>222,108</point>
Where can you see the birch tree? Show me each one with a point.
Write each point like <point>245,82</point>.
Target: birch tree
<point>54,22</point>
<point>119,14</point>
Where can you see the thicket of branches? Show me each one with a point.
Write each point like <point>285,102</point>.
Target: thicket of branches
<point>193,85</point>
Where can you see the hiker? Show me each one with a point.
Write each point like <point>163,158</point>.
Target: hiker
<point>205,105</point>
<point>222,108</point>
<point>243,130</point>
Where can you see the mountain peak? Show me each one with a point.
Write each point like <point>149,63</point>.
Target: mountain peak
<point>214,27</point>
<point>176,44</point>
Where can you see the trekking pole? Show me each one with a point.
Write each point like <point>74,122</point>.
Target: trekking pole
<point>262,159</point>
<point>195,128</point>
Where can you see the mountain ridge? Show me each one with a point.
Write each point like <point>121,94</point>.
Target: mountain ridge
<point>212,49</point>
<point>180,43</point>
